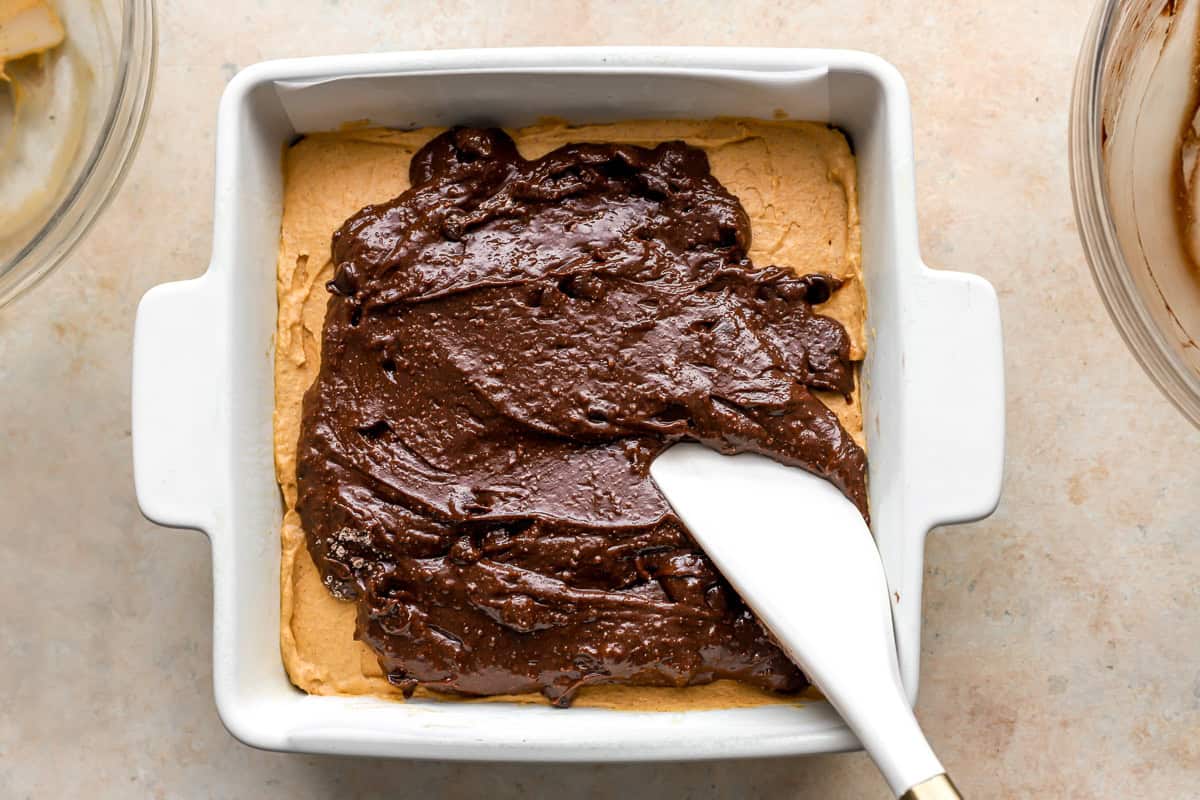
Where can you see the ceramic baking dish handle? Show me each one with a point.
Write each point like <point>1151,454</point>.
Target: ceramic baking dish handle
<point>176,402</point>
<point>956,366</point>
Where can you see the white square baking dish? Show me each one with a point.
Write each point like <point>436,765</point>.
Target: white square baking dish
<point>203,391</point>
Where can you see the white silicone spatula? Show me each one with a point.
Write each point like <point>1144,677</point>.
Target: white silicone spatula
<point>801,556</point>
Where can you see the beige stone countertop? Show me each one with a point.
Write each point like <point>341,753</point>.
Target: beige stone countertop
<point>1061,653</point>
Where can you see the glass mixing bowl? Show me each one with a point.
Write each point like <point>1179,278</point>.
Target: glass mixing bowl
<point>1134,95</point>
<point>113,41</point>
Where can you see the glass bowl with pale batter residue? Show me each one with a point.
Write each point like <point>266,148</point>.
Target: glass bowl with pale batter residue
<point>72,109</point>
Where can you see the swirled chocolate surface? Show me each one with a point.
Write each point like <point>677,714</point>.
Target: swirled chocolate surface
<point>507,346</point>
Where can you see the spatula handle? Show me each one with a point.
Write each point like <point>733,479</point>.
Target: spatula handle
<point>939,787</point>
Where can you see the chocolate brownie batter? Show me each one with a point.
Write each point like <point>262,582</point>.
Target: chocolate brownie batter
<point>508,345</point>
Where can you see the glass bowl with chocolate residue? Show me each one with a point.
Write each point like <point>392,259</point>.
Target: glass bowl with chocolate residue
<point>1134,131</point>
<point>72,108</point>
